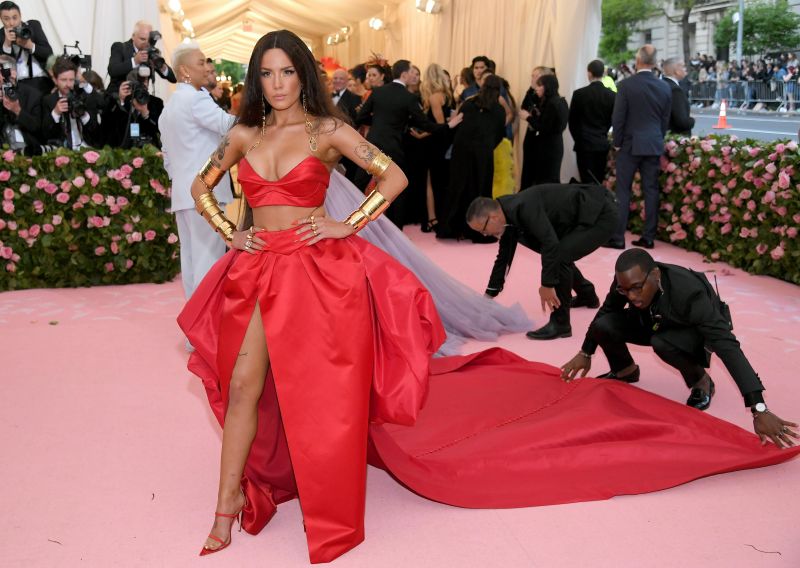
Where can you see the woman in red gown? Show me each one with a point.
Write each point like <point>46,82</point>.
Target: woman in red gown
<point>311,342</point>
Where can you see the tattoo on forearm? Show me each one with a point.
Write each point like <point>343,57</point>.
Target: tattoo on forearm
<point>366,152</point>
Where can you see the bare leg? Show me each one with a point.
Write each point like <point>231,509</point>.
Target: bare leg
<point>429,199</point>
<point>247,383</point>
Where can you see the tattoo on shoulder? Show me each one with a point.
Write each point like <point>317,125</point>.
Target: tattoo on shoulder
<point>223,145</point>
<point>366,151</point>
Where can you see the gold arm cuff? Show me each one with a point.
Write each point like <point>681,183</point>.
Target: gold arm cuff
<point>374,205</point>
<point>357,219</point>
<point>208,206</point>
<point>379,164</point>
<point>210,174</point>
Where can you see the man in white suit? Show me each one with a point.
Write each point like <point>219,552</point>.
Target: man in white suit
<point>192,126</point>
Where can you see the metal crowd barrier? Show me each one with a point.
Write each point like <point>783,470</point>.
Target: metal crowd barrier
<point>753,95</point>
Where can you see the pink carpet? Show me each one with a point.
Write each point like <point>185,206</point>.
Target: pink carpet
<point>110,452</point>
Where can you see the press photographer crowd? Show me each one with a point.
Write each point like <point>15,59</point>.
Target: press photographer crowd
<point>52,100</point>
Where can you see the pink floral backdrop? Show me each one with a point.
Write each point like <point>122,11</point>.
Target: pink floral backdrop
<point>732,200</point>
<point>85,218</point>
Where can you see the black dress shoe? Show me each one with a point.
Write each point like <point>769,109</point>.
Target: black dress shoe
<point>550,331</point>
<point>632,377</point>
<point>699,398</point>
<point>614,245</point>
<point>585,302</point>
<point>644,243</point>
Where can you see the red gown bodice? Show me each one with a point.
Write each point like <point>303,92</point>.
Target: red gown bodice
<point>302,186</point>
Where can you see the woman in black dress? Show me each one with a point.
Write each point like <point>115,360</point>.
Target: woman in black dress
<point>544,145</point>
<point>472,163</point>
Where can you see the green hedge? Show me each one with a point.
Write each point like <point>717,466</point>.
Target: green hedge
<point>732,200</point>
<point>85,218</point>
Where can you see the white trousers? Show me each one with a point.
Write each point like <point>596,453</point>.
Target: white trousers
<point>201,247</point>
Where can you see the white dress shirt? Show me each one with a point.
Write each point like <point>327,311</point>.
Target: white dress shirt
<point>191,127</point>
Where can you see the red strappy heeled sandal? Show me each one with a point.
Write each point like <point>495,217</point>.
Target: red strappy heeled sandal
<point>238,516</point>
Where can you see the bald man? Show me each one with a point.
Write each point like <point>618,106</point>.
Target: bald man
<point>132,54</point>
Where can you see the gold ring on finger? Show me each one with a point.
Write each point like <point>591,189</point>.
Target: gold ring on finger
<point>248,244</point>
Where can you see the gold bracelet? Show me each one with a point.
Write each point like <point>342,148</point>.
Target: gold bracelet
<point>208,206</point>
<point>379,164</point>
<point>357,219</point>
<point>374,205</point>
<point>210,174</point>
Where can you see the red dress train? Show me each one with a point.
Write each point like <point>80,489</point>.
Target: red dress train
<point>350,334</point>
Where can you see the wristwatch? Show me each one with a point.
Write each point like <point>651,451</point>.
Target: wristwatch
<point>758,408</point>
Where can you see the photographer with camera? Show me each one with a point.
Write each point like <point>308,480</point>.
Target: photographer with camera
<point>138,52</point>
<point>69,113</point>
<point>28,45</point>
<point>135,114</point>
<point>20,122</point>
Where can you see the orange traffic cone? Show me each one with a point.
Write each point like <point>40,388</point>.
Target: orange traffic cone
<point>722,122</point>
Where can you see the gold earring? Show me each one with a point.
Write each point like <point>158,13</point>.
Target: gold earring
<point>312,137</point>
<point>187,79</point>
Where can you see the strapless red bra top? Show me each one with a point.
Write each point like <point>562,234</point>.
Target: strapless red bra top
<point>303,186</point>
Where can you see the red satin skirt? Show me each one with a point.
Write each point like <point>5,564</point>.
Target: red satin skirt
<point>350,333</point>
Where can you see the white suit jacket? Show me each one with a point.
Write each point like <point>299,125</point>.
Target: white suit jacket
<point>191,127</point>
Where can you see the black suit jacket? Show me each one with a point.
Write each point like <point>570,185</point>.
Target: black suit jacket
<point>641,114</point>
<point>389,110</point>
<point>590,117</point>
<point>688,301</point>
<point>680,119</point>
<point>122,116</point>
<point>120,64</point>
<point>42,51</point>
<point>539,218</point>
<point>29,120</point>
<point>55,131</point>
<point>348,104</point>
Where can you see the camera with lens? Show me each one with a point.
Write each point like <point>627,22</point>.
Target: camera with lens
<point>153,53</point>
<point>79,59</point>
<point>77,100</point>
<point>23,31</point>
<point>139,93</point>
<point>9,88</point>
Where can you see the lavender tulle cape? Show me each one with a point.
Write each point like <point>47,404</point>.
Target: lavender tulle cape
<point>464,312</point>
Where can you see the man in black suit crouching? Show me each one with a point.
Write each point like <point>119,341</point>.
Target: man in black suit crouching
<point>126,56</point>
<point>27,43</point>
<point>389,111</point>
<point>676,311</point>
<point>589,120</point>
<point>680,119</point>
<point>563,223</point>
<point>640,120</point>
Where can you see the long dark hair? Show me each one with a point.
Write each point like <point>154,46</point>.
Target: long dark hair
<point>550,84</point>
<point>254,103</point>
<point>489,93</point>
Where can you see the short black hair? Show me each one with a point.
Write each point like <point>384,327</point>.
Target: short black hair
<point>481,207</point>
<point>359,72</point>
<point>400,66</point>
<point>486,60</point>
<point>62,65</point>
<point>596,68</point>
<point>9,6</point>
<point>632,258</point>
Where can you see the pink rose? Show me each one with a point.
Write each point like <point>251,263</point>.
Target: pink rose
<point>79,181</point>
<point>745,194</point>
<point>32,173</point>
<point>8,207</point>
<point>91,156</point>
<point>41,183</point>
<point>700,231</point>
<point>57,219</point>
<point>110,200</point>
<point>97,198</point>
<point>128,263</point>
<point>791,232</point>
<point>24,188</point>
<point>126,170</point>
<point>10,267</point>
<point>747,216</point>
<point>23,234</point>
<point>748,176</point>
<point>61,161</point>
<point>114,247</point>
<point>671,167</point>
<point>12,225</point>
<point>678,236</point>
<point>771,168</point>
<point>119,175</point>
<point>137,162</point>
<point>726,228</point>
<point>732,184</point>
<point>5,175</point>
<point>66,185</point>
<point>109,266</point>
<point>75,207</point>
<point>155,184</point>
<point>126,183</point>
<point>716,198</point>
<point>712,173</point>
<point>48,228</point>
<point>149,235</point>
<point>779,148</point>
<point>769,197</point>
<point>6,252</point>
<point>758,182</point>
<point>34,230</point>
<point>94,181</point>
<point>761,248</point>
<point>62,197</point>
<point>136,236</point>
<point>172,238</point>
<point>135,189</point>
<point>114,209</point>
<point>784,182</point>
<point>751,205</point>
<point>127,227</point>
<point>51,188</point>
<point>96,221</point>
<point>122,201</point>
<point>38,206</point>
<point>2,224</point>
<point>9,155</point>
<point>8,193</point>
<point>777,253</point>
<point>754,152</point>
<point>781,211</point>
<point>100,251</point>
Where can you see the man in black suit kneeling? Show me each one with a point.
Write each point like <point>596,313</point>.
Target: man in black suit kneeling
<point>563,223</point>
<point>676,311</point>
